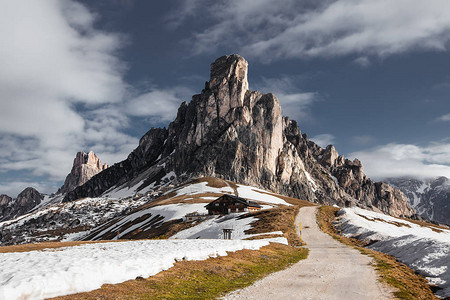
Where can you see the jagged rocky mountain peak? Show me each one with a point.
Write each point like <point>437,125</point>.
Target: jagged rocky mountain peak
<point>229,68</point>
<point>90,159</point>
<point>231,132</point>
<point>229,74</point>
<point>26,200</point>
<point>4,199</point>
<point>85,165</point>
<point>28,191</point>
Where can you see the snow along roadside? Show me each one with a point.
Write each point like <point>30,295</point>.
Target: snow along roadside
<point>63,271</point>
<point>420,248</point>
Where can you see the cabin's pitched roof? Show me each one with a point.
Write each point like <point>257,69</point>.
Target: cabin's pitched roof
<point>236,198</point>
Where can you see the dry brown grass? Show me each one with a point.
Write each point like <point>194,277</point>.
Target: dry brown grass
<point>196,198</point>
<point>61,231</point>
<point>234,186</point>
<point>206,279</point>
<point>409,284</point>
<point>277,219</point>
<point>264,236</point>
<point>290,200</point>
<point>47,245</point>
<point>398,224</point>
<point>211,182</point>
<point>434,227</point>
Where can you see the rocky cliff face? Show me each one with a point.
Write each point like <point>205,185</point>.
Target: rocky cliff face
<point>430,198</point>
<point>25,201</point>
<point>231,132</point>
<point>85,166</point>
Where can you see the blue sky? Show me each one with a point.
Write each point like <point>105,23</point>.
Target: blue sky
<point>370,77</point>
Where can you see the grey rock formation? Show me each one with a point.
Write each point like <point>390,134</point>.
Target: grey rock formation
<point>25,201</point>
<point>85,166</point>
<point>430,197</point>
<point>6,206</point>
<point>351,179</point>
<point>231,132</point>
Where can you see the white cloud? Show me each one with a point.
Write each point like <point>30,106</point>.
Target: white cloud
<point>444,118</point>
<point>61,90</point>
<point>184,9</point>
<point>397,160</point>
<point>278,29</point>
<point>324,139</point>
<point>158,104</point>
<point>362,61</point>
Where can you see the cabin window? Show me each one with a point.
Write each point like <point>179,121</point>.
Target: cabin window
<point>217,204</point>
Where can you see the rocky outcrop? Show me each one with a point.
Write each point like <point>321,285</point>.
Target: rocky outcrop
<point>362,191</point>
<point>231,132</point>
<point>25,201</point>
<point>6,204</point>
<point>85,166</point>
<point>429,197</point>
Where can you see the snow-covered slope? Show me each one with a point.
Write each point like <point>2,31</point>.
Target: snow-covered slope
<point>213,228</point>
<point>63,220</point>
<point>122,213</point>
<point>160,215</point>
<point>425,249</point>
<point>62,271</point>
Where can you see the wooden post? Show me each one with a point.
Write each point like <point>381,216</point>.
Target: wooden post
<point>227,233</point>
<point>301,239</point>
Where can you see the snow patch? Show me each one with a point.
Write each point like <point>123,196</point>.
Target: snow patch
<point>419,247</point>
<point>201,188</point>
<point>213,228</point>
<point>169,175</point>
<point>62,271</point>
<point>256,194</point>
<point>168,212</point>
<point>310,180</point>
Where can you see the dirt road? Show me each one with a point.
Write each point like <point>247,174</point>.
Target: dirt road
<point>331,271</point>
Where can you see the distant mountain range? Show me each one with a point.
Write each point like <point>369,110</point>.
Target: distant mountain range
<point>85,165</point>
<point>430,197</point>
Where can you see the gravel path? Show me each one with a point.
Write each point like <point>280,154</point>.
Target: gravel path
<point>331,271</point>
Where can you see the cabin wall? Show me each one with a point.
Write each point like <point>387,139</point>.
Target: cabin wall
<point>226,205</point>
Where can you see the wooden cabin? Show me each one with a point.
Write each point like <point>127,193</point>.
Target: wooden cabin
<point>226,204</point>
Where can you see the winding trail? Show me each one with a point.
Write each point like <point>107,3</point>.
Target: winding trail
<point>331,271</point>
